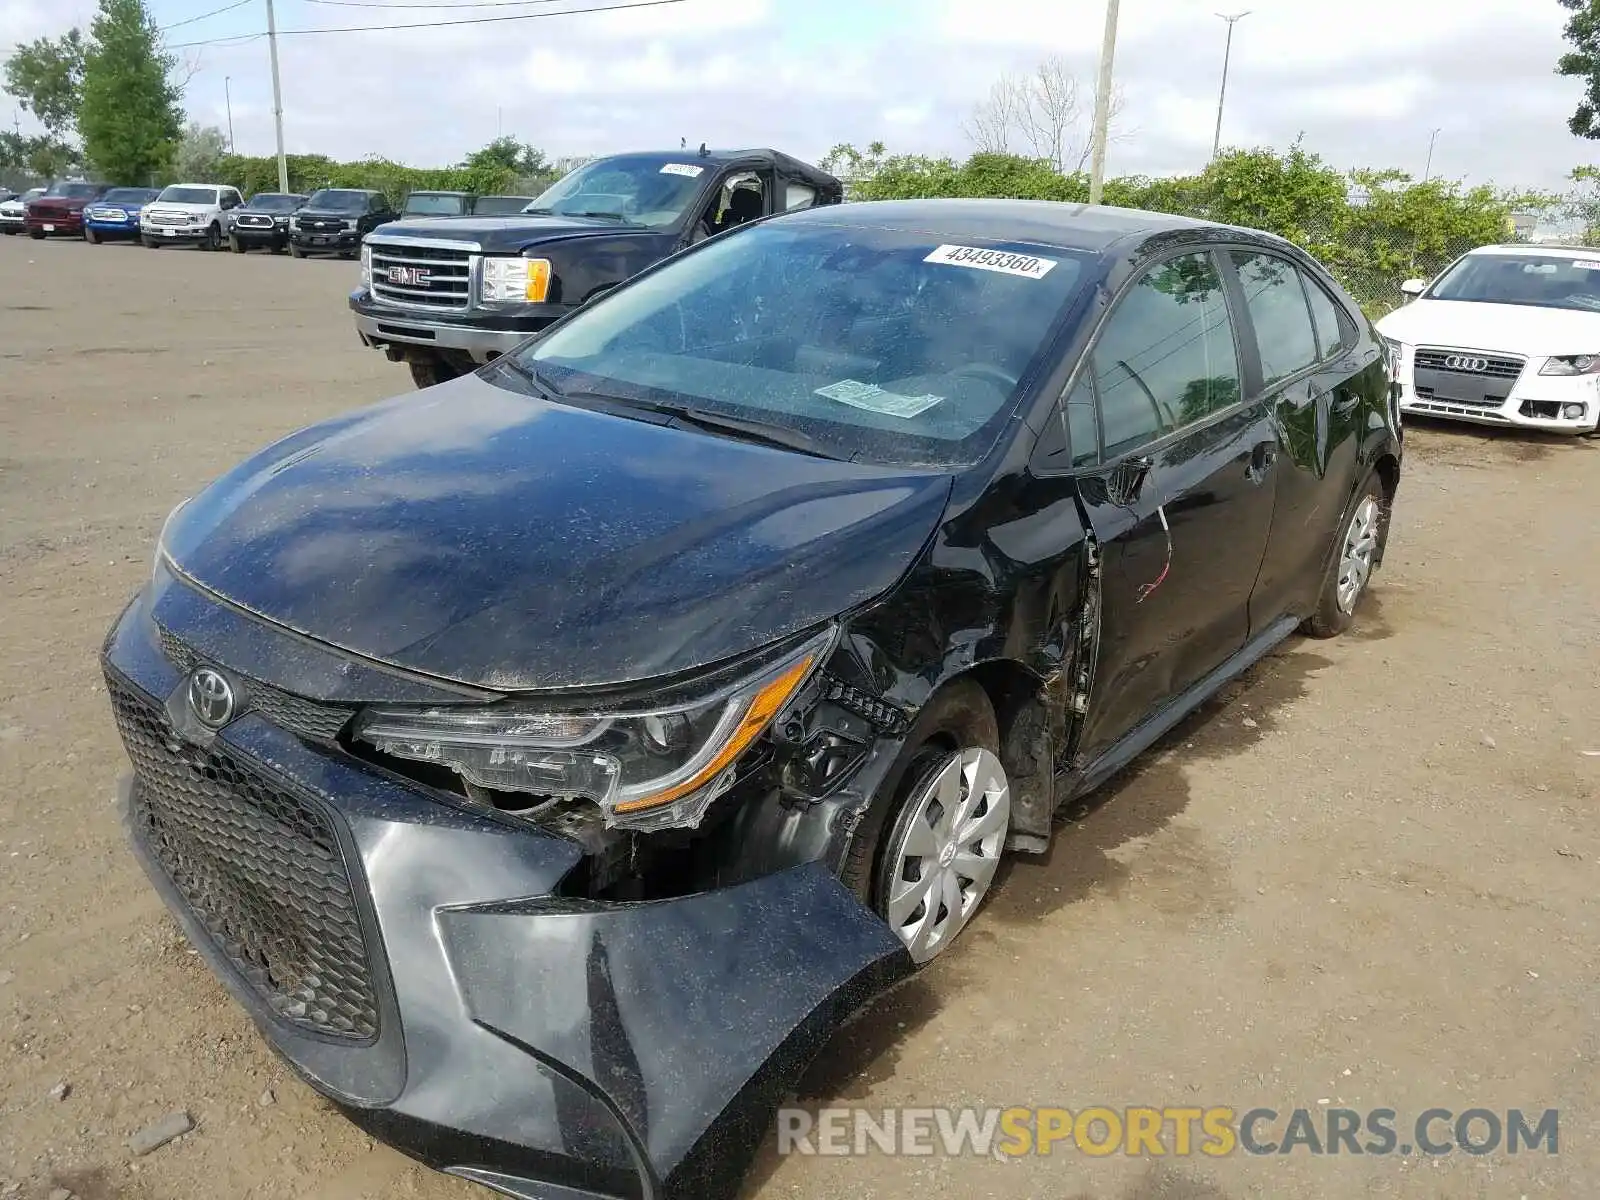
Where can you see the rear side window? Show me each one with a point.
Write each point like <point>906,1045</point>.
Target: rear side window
<point>798,195</point>
<point>1166,357</point>
<point>1278,311</point>
<point>1332,332</point>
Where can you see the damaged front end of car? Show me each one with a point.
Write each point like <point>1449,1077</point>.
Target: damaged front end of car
<point>575,948</point>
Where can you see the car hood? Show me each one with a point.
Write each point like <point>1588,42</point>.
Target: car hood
<point>343,214</point>
<point>62,203</point>
<point>481,535</point>
<point>173,206</point>
<point>502,234</point>
<point>1522,329</point>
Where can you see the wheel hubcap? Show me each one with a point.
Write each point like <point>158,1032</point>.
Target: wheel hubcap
<point>1360,545</point>
<point>945,857</point>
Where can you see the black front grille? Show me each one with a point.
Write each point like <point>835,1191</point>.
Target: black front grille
<point>314,720</point>
<point>1467,362</point>
<point>259,867</point>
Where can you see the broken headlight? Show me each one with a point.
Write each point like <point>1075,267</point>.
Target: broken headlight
<point>647,766</point>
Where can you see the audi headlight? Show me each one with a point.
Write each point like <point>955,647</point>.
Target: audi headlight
<point>647,766</point>
<point>515,280</point>
<point>366,266</point>
<point>1572,364</point>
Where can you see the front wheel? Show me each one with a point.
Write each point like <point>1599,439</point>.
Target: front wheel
<point>927,852</point>
<point>36,234</point>
<point>213,238</point>
<point>90,236</point>
<point>295,251</point>
<point>1355,559</point>
<point>150,243</point>
<point>235,244</point>
<point>429,372</point>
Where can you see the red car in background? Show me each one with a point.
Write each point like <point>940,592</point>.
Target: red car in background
<point>60,209</point>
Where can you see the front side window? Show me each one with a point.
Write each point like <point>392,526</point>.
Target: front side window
<point>642,189</point>
<point>1540,280</point>
<point>1166,357</point>
<point>1277,305</point>
<point>188,195</point>
<point>880,345</point>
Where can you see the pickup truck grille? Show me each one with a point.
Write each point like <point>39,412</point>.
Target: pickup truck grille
<point>253,221</point>
<point>163,216</point>
<point>423,277</point>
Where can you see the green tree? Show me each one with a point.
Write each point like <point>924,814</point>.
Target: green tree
<point>42,155</point>
<point>200,153</point>
<point>129,116</point>
<point>498,166</point>
<point>1583,62</point>
<point>45,76</point>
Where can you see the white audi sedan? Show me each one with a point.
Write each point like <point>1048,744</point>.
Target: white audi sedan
<point>1505,335</point>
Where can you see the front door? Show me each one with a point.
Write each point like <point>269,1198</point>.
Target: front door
<point>1181,502</point>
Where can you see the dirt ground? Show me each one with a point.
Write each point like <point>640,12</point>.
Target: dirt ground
<point>1366,877</point>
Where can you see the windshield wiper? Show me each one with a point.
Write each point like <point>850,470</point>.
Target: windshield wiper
<point>744,429</point>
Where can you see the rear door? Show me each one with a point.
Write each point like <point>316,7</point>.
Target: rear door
<point>1181,501</point>
<point>1303,349</point>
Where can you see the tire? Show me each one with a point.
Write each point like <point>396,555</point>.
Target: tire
<point>235,244</point>
<point>956,731</point>
<point>150,243</point>
<point>1362,526</point>
<point>36,234</point>
<point>91,236</point>
<point>295,251</point>
<point>430,372</point>
<point>213,238</point>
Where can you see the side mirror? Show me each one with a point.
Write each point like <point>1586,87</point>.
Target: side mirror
<point>1412,288</point>
<point>1127,480</point>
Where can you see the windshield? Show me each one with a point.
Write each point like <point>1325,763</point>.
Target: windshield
<point>128,195</point>
<point>275,202</point>
<point>500,206</point>
<point>188,195</point>
<point>877,345</point>
<point>644,189</point>
<point>336,200</point>
<point>422,205</point>
<point>72,191</point>
<point>1543,280</point>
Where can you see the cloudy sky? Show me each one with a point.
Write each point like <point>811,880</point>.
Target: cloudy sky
<point>1365,81</point>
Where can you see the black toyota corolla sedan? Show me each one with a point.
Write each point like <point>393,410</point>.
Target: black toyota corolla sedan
<point>549,760</point>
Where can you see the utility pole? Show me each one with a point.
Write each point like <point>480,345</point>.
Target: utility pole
<point>277,98</point>
<point>1102,106</point>
<point>1427,171</point>
<point>1227,54</point>
<point>227,93</point>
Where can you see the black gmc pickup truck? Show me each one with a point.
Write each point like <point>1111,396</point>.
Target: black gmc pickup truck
<point>445,294</point>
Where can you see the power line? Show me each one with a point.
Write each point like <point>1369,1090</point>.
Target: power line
<point>468,4</point>
<point>216,12</point>
<point>566,12</point>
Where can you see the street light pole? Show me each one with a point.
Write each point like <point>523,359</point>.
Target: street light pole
<point>227,93</point>
<point>1102,106</point>
<point>1427,171</point>
<point>1222,94</point>
<point>277,98</point>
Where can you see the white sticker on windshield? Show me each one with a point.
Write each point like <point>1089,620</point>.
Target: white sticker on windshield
<point>1587,264</point>
<point>685,169</point>
<point>874,399</point>
<point>1003,261</point>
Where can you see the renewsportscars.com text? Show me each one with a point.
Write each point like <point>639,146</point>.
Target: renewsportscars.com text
<point>1161,1131</point>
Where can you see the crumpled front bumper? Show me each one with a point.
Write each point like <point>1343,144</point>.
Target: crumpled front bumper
<point>544,1045</point>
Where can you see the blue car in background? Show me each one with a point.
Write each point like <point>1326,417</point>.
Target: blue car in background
<point>116,214</point>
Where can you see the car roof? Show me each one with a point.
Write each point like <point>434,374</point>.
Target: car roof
<point>1522,249</point>
<point>756,157</point>
<point>1086,227</point>
<point>435,192</point>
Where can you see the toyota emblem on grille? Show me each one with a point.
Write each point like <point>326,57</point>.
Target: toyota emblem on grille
<point>210,698</point>
<point>410,276</point>
<point>1461,362</point>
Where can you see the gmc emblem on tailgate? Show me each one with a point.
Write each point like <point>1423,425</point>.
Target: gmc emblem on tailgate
<point>410,276</point>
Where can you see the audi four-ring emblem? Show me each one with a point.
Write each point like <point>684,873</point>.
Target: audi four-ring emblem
<point>1462,362</point>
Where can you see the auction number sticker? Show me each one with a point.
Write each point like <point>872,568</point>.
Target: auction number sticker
<point>1004,261</point>
<point>1587,264</point>
<point>872,398</point>
<point>685,169</point>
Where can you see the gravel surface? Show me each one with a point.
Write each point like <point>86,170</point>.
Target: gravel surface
<point>1365,876</point>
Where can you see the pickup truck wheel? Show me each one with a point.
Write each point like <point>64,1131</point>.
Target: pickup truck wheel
<point>150,243</point>
<point>427,372</point>
<point>91,237</point>
<point>295,251</point>
<point>36,234</point>
<point>235,244</point>
<point>213,238</point>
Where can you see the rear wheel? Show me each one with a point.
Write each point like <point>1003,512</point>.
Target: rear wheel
<point>927,852</point>
<point>1354,561</point>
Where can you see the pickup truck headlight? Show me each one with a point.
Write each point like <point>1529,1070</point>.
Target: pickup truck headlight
<point>1572,364</point>
<point>645,766</point>
<point>515,280</point>
<point>366,266</point>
